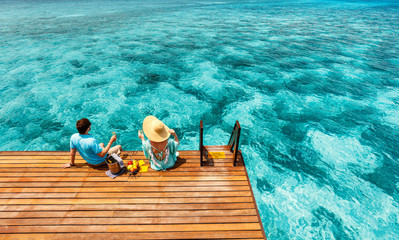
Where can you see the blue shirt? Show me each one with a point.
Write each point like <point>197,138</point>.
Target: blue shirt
<point>172,146</point>
<point>88,147</point>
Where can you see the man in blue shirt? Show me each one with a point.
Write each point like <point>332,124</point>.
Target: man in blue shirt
<point>89,148</point>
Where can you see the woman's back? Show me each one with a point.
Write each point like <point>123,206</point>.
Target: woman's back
<point>161,160</point>
<point>159,149</point>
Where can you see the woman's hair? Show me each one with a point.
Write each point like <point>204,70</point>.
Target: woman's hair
<point>82,125</point>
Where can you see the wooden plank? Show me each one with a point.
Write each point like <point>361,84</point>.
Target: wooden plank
<point>30,236</point>
<point>59,214</point>
<point>101,174</point>
<point>185,200</point>
<point>161,194</point>
<point>139,235</point>
<point>130,220</point>
<point>81,161</point>
<point>66,158</point>
<point>86,168</point>
<point>179,213</point>
<point>58,165</point>
<point>142,178</point>
<point>79,165</point>
<point>40,184</point>
<point>13,195</point>
<point>222,148</point>
<point>131,228</point>
<point>182,166</point>
<point>125,207</point>
<point>23,201</point>
<point>58,201</point>
<point>46,174</point>
<point>22,162</point>
<point>127,214</point>
<point>16,159</point>
<point>44,159</point>
<point>117,189</point>
<point>33,153</point>
<point>123,183</point>
<point>100,194</point>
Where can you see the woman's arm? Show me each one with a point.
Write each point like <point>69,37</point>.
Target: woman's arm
<point>144,144</point>
<point>141,136</point>
<point>171,131</point>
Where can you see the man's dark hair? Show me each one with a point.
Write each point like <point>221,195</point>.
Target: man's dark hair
<point>82,125</point>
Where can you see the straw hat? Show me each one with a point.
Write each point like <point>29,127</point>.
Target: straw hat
<point>155,129</point>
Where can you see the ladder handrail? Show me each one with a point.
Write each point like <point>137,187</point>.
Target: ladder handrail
<point>201,146</point>
<point>235,140</point>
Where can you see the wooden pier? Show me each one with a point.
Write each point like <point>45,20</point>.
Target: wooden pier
<point>40,200</point>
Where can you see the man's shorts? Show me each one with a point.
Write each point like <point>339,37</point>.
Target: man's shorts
<point>116,149</point>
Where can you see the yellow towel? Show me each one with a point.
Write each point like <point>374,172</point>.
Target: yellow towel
<point>141,163</point>
<point>216,155</point>
<point>143,168</point>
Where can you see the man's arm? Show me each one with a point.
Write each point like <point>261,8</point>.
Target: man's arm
<point>72,159</point>
<point>106,149</point>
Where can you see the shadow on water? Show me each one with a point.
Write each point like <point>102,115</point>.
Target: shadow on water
<point>385,139</point>
<point>323,218</point>
<point>385,177</point>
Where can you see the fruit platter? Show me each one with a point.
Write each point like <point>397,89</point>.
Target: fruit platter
<point>134,167</point>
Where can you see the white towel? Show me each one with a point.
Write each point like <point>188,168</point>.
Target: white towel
<point>119,159</point>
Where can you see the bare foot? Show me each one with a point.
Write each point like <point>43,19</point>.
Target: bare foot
<point>66,165</point>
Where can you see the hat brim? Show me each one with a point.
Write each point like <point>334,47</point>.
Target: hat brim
<point>151,134</point>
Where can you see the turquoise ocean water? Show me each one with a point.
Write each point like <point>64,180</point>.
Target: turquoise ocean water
<point>314,84</point>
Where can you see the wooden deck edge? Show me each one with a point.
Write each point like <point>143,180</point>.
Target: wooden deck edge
<point>253,197</point>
